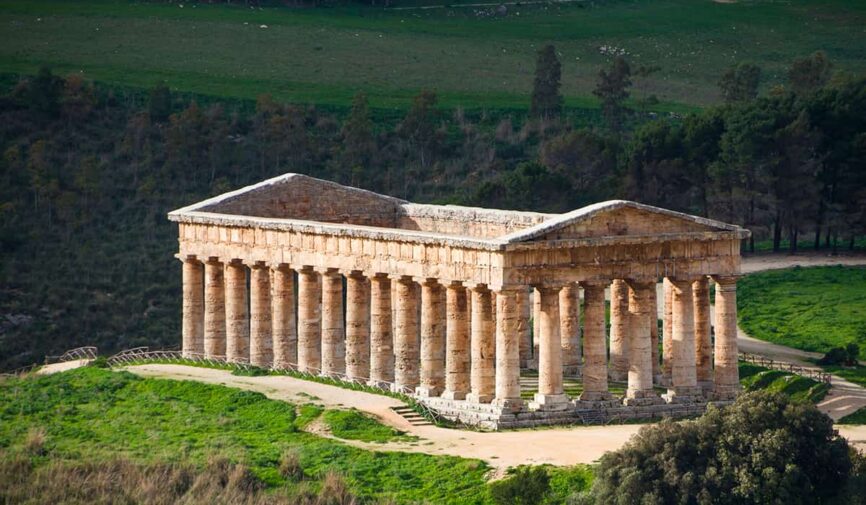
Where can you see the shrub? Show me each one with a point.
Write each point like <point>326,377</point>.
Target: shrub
<point>529,485</point>
<point>34,443</point>
<point>765,448</point>
<point>290,465</point>
<point>847,355</point>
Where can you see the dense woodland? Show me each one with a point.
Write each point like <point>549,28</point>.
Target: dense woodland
<point>88,173</point>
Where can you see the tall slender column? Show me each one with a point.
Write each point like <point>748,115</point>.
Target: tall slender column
<point>284,326</point>
<point>619,326</point>
<point>683,374</point>
<point>237,317</point>
<point>536,325</point>
<point>357,326</point>
<point>507,394</point>
<point>524,328</point>
<point>569,328</point>
<point>482,372</point>
<point>261,340</point>
<point>192,330</point>
<point>406,339</point>
<point>214,310</point>
<point>333,333</point>
<point>381,334</point>
<point>667,332</point>
<point>727,378</point>
<point>654,332</point>
<point>550,394</point>
<point>594,343</point>
<point>432,339</point>
<point>309,321</point>
<point>640,378</point>
<point>457,345</point>
<point>703,340</point>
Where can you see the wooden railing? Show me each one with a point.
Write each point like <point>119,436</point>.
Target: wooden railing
<point>812,373</point>
<point>85,352</point>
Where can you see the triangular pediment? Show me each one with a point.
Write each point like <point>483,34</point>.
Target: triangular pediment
<point>617,218</point>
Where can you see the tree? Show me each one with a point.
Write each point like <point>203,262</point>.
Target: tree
<point>43,93</point>
<point>160,103</point>
<point>612,89</point>
<point>419,125</point>
<point>358,142</point>
<point>810,74</point>
<point>546,100</point>
<point>528,486</point>
<point>587,159</point>
<point>740,83</point>
<point>765,448</point>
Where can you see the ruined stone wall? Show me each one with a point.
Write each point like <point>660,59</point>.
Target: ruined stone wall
<point>466,221</point>
<point>626,221</point>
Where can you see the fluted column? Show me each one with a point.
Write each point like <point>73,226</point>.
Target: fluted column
<point>309,321</point>
<point>214,310</point>
<point>406,375</point>
<point>569,328</point>
<point>524,328</point>
<point>192,330</point>
<point>357,326</point>
<point>640,378</point>
<point>727,375</point>
<point>261,340</point>
<point>703,339</point>
<point>667,332</point>
<point>654,333</point>
<point>482,372</point>
<point>683,374</point>
<point>333,332</point>
<point>284,327</point>
<point>550,394</point>
<point>594,343</point>
<point>507,394</point>
<point>433,325</point>
<point>237,316</point>
<point>381,334</point>
<point>536,326</point>
<point>619,326</point>
<point>457,343</point>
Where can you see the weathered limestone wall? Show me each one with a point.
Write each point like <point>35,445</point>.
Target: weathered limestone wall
<point>627,221</point>
<point>465,221</point>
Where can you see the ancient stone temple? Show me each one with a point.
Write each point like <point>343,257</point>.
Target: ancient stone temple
<point>450,303</point>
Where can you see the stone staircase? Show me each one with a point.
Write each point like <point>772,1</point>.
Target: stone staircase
<point>414,418</point>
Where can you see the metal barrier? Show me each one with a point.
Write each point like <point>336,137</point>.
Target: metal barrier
<point>783,366</point>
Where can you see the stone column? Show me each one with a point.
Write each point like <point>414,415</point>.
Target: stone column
<point>406,375</point>
<point>619,326</point>
<point>569,328</point>
<point>654,333</point>
<point>640,377</point>
<point>536,326</point>
<point>703,338</point>
<point>524,328</point>
<point>333,333</point>
<point>237,320</point>
<point>727,375</point>
<point>482,372</point>
<point>214,310</point>
<point>261,339</point>
<point>284,327</point>
<point>192,329</point>
<point>381,335</point>
<point>683,375</point>
<point>433,325</point>
<point>357,326</point>
<point>507,393</point>
<point>309,322</point>
<point>457,343</point>
<point>550,394</point>
<point>594,343</point>
<point>667,332</point>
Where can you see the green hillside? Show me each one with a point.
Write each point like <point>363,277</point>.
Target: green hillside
<point>471,58</point>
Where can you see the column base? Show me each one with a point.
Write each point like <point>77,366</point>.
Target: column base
<point>642,398</point>
<point>428,391</point>
<point>403,389</point>
<point>595,396</point>
<point>479,398</point>
<point>454,395</point>
<point>549,402</point>
<point>724,393</point>
<point>684,395</point>
<point>385,385</point>
<point>706,386</point>
<point>508,405</point>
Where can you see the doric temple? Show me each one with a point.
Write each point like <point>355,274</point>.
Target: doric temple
<point>450,303</point>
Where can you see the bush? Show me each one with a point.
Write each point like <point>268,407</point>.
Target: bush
<point>764,448</point>
<point>847,355</point>
<point>529,485</point>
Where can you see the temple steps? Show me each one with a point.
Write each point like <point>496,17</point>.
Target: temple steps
<point>414,418</point>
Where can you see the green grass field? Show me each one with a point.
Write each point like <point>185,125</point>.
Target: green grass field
<point>814,309</point>
<point>858,417</point>
<point>324,56</point>
<point>96,415</point>
<point>756,378</point>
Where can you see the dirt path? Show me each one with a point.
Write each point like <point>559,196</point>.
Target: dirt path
<point>770,261</point>
<point>557,446</point>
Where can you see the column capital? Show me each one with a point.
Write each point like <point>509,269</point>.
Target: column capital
<point>257,265</point>
<point>327,271</point>
<point>726,281</point>
<point>402,279</point>
<point>355,274</point>
<point>595,283</point>
<point>476,286</point>
<point>427,281</point>
<point>640,283</point>
<point>454,284</point>
<point>306,269</point>
<point>213,260</point>
<point>283,267</point>
<point>509,290</point>
<point>376,275</point>
<point>549,288</point>
<point>684,279</point>
<point>186,257</point>
<point>234,262</point>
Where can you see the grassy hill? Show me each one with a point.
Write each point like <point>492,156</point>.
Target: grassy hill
<point>471,58</point>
